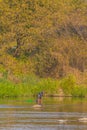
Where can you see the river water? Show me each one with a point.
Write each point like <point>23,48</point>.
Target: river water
<point>56,114</point>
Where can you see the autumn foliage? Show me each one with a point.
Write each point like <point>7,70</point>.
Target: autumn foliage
<point>47,38</point>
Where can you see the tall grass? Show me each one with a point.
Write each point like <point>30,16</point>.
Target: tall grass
<point>50,86</point>
<point>70,87</point>
<point>67,84</point>
<point>31,85</point>
<point>7,88</point>
<point>80,91</point>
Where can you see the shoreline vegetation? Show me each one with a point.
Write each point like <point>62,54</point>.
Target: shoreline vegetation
<point>31,85</point>
<point>43,47</point>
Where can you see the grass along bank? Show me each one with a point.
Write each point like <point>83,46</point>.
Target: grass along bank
<point>31,85</point>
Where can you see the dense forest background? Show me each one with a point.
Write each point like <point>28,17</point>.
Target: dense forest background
<point>47,38</point>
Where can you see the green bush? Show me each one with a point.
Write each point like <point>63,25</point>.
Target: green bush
<point>79,90</point>
<point>7,88</point>
<point>31,85</point>
<point>70,87</point>
<point>68,84</point>
<point>50,86</point>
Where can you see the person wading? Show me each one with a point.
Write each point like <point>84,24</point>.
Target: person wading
<point>39,98</point>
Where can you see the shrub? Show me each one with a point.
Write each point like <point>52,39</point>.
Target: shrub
<point>68,83</point>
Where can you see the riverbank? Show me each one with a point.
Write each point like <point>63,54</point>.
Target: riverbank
<point>31,85</point>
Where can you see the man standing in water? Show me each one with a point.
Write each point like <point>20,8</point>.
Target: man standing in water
<point>39,98</point>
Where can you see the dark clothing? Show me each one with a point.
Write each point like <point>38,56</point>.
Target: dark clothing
<point>39,96</point>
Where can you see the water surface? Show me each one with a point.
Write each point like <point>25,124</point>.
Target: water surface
<point>56,114</point>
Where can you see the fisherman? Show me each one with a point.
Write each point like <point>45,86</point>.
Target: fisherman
<point>39,98</point>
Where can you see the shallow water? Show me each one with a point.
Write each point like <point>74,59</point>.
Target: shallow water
<point>56,114</point>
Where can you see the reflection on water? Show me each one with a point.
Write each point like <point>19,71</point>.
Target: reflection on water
<point>56,114</point>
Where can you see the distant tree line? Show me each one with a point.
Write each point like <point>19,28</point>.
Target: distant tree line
<point>48,38</point>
